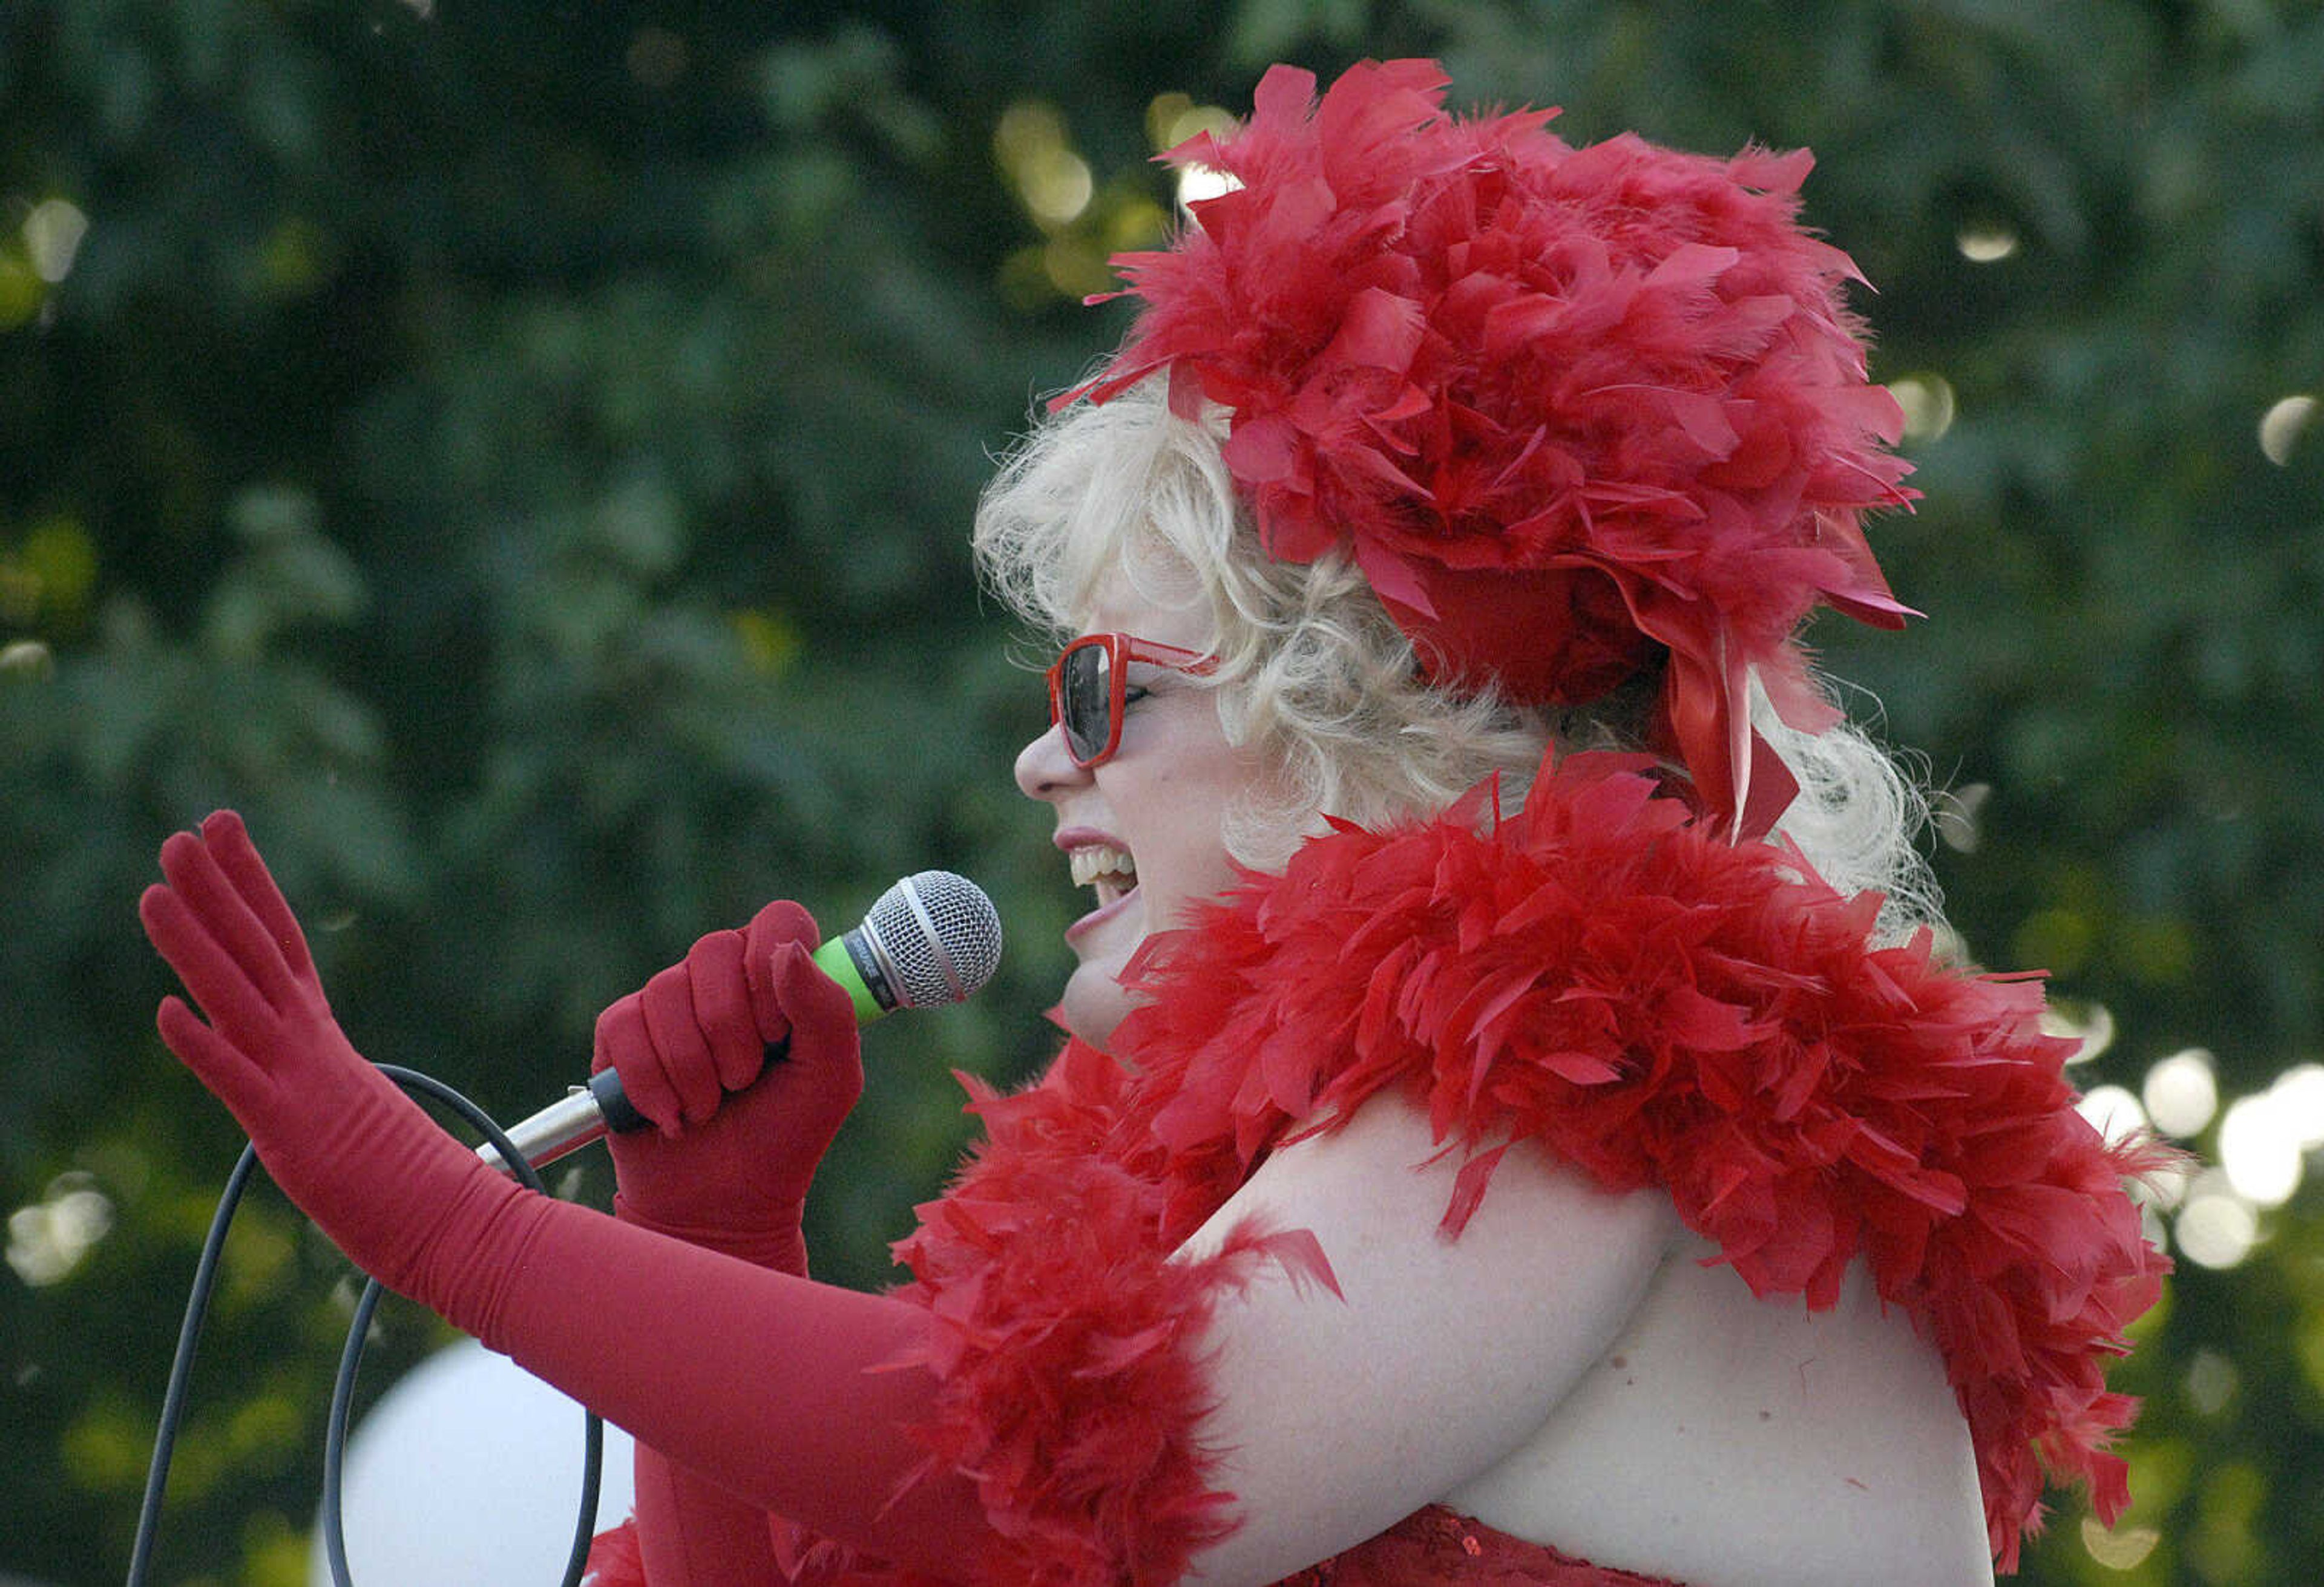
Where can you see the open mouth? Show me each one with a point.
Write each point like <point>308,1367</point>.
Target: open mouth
<point>1110,871</point>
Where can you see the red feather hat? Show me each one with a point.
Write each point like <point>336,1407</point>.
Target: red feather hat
<point>1560,405</point>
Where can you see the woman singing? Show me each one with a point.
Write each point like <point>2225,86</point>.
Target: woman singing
<point>1514,1116</point>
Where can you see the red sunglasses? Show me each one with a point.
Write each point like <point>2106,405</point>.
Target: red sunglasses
<point>1086,683</point>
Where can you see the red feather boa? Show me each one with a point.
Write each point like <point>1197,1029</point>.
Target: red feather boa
<point>1662,1008</point>
<point>1594,973</point>
<point>1069,1345</point>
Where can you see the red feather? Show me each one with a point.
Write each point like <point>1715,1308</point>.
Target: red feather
<point>615,1560</point>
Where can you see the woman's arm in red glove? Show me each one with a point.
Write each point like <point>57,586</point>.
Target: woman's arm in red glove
<point>757,1380</point>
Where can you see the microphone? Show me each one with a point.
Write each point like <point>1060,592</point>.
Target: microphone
<point>932,939</point>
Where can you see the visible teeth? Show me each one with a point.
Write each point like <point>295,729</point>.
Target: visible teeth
<point>1090,864</point>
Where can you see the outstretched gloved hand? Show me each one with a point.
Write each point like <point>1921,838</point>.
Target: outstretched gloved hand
<point>362,1158</point>
<point>746,1060</point>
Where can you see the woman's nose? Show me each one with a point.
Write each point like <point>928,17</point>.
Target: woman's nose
<point>1044,768</point>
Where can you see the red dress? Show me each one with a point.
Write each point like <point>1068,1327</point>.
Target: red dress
<point>1435,1546</point>
<point>1592,973</point>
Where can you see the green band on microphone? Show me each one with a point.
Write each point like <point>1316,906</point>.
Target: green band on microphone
<point>845,961</point>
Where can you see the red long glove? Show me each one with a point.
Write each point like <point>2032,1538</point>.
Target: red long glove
<point>735,1148</point>
<point>758,1380</point>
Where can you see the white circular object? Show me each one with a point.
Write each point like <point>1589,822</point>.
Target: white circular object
<point>468,1471</point>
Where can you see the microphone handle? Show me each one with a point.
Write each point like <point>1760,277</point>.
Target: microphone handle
<point>587,1114</point>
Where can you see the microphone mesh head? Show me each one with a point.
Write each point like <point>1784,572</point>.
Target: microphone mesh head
<point>941,938</point>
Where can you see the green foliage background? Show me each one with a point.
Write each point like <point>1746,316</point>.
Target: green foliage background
<point>520,455</point>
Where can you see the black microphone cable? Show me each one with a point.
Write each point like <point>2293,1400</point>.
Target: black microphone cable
<point>190,1334</point>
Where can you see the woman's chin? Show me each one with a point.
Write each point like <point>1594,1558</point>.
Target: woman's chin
<point>1094,1000</point>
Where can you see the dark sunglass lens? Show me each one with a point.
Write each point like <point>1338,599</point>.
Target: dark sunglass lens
<point>1084,701</point>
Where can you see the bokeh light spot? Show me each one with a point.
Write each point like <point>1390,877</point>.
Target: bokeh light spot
<point>1928,403</point>
<point>2113,1112</point>
<point>1198,182</point>
<point>1075,266</point>
<point>26,661</point>
<point>2299,1091</point>
<point>2125,1548</point>
<point>1986,242</point>
<point>2182,1093</point>
<point>1052,182</point>
<point>54,234</point>
<point>2090,1025</point>
<point>2280,428</point>
<point>1134,223</point>
<point>2212,1381</point>
<point>2214,1228</point>
<point>2260,1150</point>
<point>1173,118</point>
<point>48,1239</point>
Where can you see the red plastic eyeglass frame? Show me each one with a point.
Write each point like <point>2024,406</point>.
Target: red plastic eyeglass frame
<point>1121,649</point>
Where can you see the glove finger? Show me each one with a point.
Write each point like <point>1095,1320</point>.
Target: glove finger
<point>229,840</point>
<point>781,921</point>
<point>722,1008</point>
<point>194,874</point>
<point>216,980</point>
<point>667,1004</point>
<point>822,1019</point>
<point>221,1066</point>
<point>624,1046</point>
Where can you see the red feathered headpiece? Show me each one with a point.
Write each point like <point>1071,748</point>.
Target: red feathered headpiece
<point>1559,404</point>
